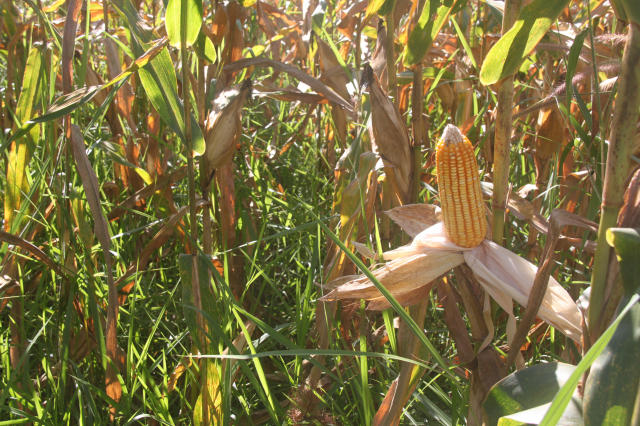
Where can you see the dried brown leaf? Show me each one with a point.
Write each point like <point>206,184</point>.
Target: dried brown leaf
<point>33,250</point>
<point>295,72</point>
<point>101,229</point>
<point>455,323</point>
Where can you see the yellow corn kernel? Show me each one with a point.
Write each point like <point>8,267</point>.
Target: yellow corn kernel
<point>459,186</point>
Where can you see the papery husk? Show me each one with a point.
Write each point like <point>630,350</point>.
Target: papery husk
<point>506,276</point>
<point>409,298</point>
<point>415,218</point>
<point>223,124</point>
<point>434,237</point>
<point>389,134</point>
<point>399,276</point>
<point>503,274</point>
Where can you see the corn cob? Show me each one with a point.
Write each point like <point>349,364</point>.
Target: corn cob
<point>459,185</point>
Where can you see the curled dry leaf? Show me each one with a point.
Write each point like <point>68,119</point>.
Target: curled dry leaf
<point>223,125</point>
<point>295,72</point>
<point>389,134</point>
<point>289,94</point>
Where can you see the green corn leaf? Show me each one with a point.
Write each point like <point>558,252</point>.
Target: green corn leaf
<point>507,54</point>
<point>435,14</point>
<point>173,17</point>
<point>158,78</point>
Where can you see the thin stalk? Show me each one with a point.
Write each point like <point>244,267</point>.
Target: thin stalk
<point>419,132</point>
<point>187,125</point>
<point>391,57</point>
<point>504,112</point>
<point>622,137</point>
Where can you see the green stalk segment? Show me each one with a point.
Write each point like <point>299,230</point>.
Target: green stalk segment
<point>623,130</point>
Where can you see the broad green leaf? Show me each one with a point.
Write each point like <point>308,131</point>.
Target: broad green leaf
<point>626,242</point>
<point>159,81</point>
<point>564,395</point>
<point>527,393</point>
<point>505,56</point>
<point>434,15</point>
<point>20,152</point>
<point>173,17</point>
<point>158,78</point>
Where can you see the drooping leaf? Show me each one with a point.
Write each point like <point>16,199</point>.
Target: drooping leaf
<point>89,181</point>
<point>65,104</point>
<point>295,72</point>
<point>434,15</point>
<point>505,56</point>
<point>173,17</point>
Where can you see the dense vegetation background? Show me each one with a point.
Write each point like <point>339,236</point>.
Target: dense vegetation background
<point>183,180</point>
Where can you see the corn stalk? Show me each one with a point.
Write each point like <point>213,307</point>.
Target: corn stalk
<point>623,130</point>
<point>502,144</point>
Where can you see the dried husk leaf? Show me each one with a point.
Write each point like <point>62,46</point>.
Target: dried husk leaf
<point>379,59</point>
<point>415,218</point>
<point>551,133</point>
<point>390,134</point>
<point>505,275</point>
<point>223,124</point>
<point>434,237</point>
<point>333,74</point>
<point>400,276</point>
<point>409,298</point>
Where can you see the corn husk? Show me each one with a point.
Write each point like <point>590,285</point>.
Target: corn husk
<point>503,274</point>
<point>390,135</point>
<point>223,125</point>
